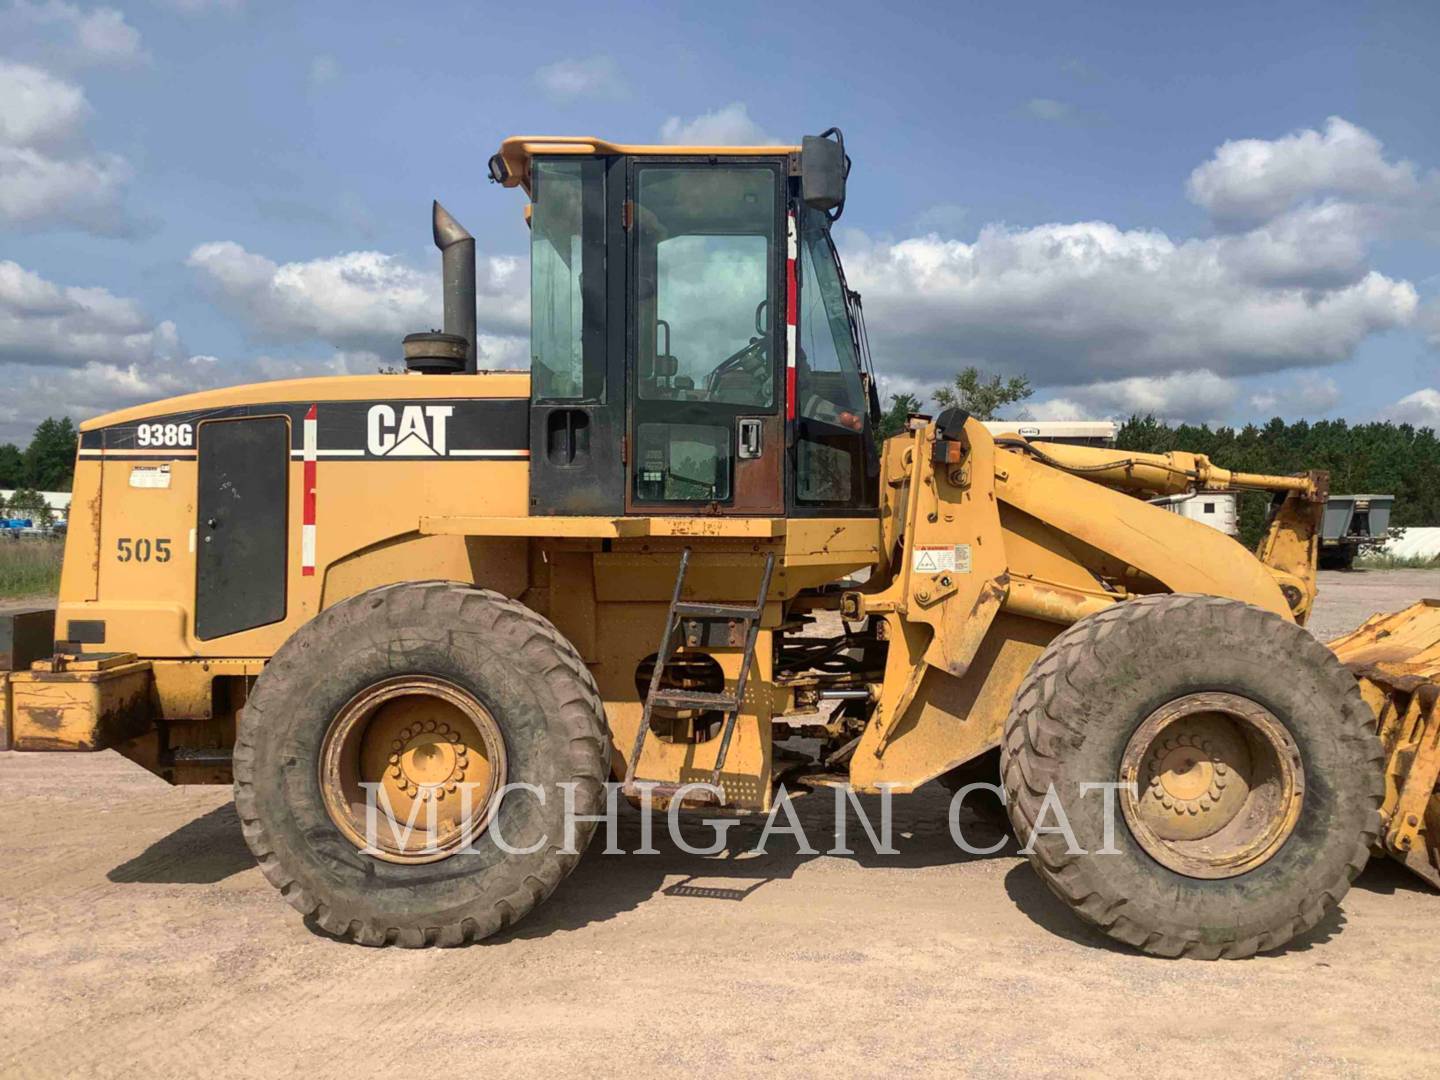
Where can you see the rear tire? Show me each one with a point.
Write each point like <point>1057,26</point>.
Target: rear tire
<point>493,649</point>
<point>1091,695</point>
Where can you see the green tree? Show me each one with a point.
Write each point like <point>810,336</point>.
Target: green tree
<point>12,466</point>
<point>49,460</point>
<point>1362,459</point>
<point>28,503</point>
<point>892,420</point>
<point>981,395</point>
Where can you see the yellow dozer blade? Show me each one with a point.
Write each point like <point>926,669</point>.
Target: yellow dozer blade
<point>1396,658</point>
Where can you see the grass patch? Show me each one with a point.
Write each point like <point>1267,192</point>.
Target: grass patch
<point>1380,561</point>
<point>30,567</point>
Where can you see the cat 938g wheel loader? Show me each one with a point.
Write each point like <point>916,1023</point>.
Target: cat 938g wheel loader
<point>418,620</point>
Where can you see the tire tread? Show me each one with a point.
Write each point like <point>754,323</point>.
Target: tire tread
<point>581,718</point>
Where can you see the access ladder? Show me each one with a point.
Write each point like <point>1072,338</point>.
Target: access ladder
<point>728,704</point>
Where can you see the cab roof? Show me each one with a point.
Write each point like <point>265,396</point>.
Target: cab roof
<point>513,159</point>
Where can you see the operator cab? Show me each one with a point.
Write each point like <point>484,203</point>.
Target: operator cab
<point>694,348</point>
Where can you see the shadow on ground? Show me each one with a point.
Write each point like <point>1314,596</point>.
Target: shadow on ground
<point>200,852</point>
<point>1386,877</point>
<point>604,886</point>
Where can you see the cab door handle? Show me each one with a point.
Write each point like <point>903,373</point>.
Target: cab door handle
<point>749,437</point>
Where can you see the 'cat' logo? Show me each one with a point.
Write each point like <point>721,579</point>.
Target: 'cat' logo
<point>419,430</point>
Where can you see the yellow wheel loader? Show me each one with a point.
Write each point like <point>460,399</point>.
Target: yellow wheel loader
<point>487,602</point>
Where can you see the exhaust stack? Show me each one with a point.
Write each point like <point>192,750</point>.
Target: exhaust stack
<point>453,350</point>
<point>457,254</point>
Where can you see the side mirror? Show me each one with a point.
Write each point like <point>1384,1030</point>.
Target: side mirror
<point>824,167</point>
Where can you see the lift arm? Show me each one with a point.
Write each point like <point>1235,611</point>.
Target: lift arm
<point>1290,548</point>
<point>1157,474</point>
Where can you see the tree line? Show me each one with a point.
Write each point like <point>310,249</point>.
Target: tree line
<point>1380,458</point>
<point>47,463</point>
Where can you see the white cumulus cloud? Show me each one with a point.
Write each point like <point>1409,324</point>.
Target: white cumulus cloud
<point>1307,395</point>
<point>729,125</point>
<point>53,325</point>
<point>1187,395</point>
<point>40,109</point>
<point>1120,320</point>
<point>79,351</point>
<point>361,300</point>
<point>1252,180</point>
<point>1072,303</point>
<point>76,351</point>
<point>69,35</point>
<point>587,77</point>
<point>49,176</point>
<point>1422,408</point>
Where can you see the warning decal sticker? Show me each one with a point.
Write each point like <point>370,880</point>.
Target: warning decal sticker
<point>941,559</point>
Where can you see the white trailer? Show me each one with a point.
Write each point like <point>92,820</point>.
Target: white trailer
<point>1074,432</point>
<point>1215,508</point>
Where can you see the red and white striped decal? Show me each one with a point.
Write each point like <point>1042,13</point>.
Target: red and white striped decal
<point>307,527</point>
<point>792,302</point>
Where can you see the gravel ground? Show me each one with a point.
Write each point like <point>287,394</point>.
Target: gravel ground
<point>137,937</point>
<point>1349,597</point>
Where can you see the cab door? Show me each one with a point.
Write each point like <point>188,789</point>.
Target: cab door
<point>706,322</point>
<point>577,336</point>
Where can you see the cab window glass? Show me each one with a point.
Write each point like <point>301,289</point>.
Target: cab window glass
<point>829,371</point>
<point>566,286</point>
<point>706,272</point>
<point>682,463</point>
<point>832,444</point>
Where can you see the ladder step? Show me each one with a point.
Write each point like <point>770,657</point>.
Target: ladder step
<point>694,699</point>
<point>719,611</point>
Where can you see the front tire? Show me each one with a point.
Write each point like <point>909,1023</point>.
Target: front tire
<point>467,667</point>
<point>1257,769</point>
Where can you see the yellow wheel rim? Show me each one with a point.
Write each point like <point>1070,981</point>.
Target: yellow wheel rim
<point>409,769</point>
<point>1213,785</point>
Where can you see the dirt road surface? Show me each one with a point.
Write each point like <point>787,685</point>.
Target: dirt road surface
<point>138,938</point>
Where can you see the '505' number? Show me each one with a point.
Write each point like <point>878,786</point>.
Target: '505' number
<point>142,549</point>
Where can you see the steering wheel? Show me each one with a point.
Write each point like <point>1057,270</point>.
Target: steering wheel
<point>757,349</point>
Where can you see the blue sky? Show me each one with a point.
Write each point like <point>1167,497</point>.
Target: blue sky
<point>1216,212</point>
